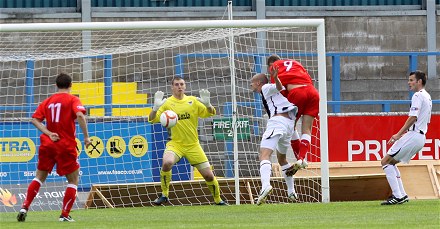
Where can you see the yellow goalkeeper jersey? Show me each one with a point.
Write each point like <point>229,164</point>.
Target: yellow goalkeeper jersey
<point>189,109</point>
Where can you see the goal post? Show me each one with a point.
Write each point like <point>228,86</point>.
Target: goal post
<point>127,62</point>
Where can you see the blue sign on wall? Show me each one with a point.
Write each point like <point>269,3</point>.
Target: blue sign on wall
<point>122,152</point>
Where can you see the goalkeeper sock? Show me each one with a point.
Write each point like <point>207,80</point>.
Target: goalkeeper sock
<point>214,188</point>
<point>165,178</point>
<point>289,179</point>
<point>265,171</point>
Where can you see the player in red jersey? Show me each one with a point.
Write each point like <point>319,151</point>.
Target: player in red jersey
<point>57,144</point>
<point>301,92</point>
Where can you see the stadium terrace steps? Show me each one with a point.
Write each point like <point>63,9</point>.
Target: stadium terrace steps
<point>420,178</point>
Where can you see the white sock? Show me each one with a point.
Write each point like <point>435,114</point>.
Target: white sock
<point>399,181</point>
<point>289,179</point>
<point>265,172</point>
<point>37,180</point>
<point>306,137</point>
<point>390,172</point>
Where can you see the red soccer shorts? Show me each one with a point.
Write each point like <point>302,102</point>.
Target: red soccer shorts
<point>306,98</point>
<point>65,159</point>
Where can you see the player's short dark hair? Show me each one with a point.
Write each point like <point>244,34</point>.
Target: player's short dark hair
<point>175,79</point>
<point>63,80</point>
<point>273,58</point>
<point>419,76</point>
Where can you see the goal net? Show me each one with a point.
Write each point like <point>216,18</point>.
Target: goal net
<point>117,68</point>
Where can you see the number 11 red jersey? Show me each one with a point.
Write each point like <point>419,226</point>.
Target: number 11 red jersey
<point>59,111</point>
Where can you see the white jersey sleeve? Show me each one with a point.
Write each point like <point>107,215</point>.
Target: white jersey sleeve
<point>421,107</point>
<point>416,104</point>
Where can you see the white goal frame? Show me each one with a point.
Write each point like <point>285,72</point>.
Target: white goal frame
<point>143,25</point>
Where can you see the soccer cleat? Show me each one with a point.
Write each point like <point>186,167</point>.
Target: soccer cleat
<point>293,196</point>
<point>66,219</point>
<point>392,200</point>
<point>263,195</point>
<point>222,203</point>
<point>292,170</point>
<point>160,200</point>
<point>21,217</point>
<point>299,164</point>
<point>404,199</point>
<point>302,163</point>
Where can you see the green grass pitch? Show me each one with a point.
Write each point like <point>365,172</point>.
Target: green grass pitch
<point>366,214</point>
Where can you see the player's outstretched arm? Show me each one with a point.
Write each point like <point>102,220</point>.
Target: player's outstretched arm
<point>205,97</point>
<point>83,125</point>
<point>158,102</point>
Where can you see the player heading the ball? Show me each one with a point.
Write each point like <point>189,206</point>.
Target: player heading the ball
<point>183,138</point>
<point>301,92</point>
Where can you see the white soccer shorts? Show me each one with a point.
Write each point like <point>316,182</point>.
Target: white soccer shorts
<point>407,146</point>
<point>279,131</point>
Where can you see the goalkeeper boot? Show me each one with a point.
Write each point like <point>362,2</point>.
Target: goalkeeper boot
<point>293,196</point>
<point>21,217</point>
<point>263,195</point>
<point>160,200</point>
<point>66,219</point>
<point>222,203</point>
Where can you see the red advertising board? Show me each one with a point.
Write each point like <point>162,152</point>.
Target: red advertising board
<point>364,138</point>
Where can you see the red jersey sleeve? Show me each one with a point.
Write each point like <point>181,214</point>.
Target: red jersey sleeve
<point>39,113</point>
<point>77,106</point>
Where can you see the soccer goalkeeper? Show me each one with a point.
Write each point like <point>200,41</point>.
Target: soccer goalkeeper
<point>183,138</point>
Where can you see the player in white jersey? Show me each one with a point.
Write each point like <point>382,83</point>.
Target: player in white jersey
<point>279,131</point>
<point>410,139</point>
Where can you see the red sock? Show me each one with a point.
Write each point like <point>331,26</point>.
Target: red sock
<point>69,199</point>
<point>295,147</point>
<point>32,191</point>
<point>304,148</point>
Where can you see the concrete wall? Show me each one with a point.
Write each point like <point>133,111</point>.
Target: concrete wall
<point>379,78</point>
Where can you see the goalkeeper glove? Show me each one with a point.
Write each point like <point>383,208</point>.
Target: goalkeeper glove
<point>158,100</point>
<point>204,97</point>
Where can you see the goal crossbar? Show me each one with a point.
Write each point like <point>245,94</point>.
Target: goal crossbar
<point>140,25</point>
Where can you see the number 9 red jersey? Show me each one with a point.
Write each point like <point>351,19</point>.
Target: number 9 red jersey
<point>291,72</point>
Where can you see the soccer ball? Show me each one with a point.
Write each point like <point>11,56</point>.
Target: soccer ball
<point>168,119</point>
